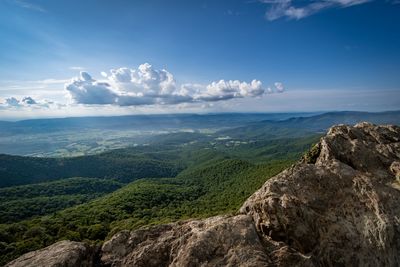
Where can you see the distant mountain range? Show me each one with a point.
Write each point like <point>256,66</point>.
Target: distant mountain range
<point>93,135</point>
<point>141,122</point>
<point>301,125</point>
<point>313,121</point>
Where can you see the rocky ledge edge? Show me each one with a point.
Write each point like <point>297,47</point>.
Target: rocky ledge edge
<point>338,206</point>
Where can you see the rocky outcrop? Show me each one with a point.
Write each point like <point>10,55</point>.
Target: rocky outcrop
<point>61,254</point>
<point>343,208</point>
<point>339,206</point>
<point>217,241</point>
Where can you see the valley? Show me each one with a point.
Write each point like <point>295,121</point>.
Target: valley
<point>171,177</point>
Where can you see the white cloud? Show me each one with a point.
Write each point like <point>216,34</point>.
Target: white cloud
<point>301,9</point>
<point>51,89</point>
<point>279,87</point>
<point>28,102</point>
<point>224,90</point>
<point>86,90</point>
<point>149,86</point>
<point>12,102</point>
<point>145,80</point>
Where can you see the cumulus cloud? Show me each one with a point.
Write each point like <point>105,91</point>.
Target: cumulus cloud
<point>224,90</point>
<point>149,86</point>
<point>12,102</point>
<point>27,102</point>
<point>86,90</point>
<point>301,9</point>
<point>279,87</point>
<point>144,80</point>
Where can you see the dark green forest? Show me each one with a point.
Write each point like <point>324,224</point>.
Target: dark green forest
<point>215,189</point>
<point>22,202</point>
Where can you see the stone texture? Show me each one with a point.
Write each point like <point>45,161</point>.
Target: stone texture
<point>338,206</point>
<point>217,241</point>
<point>60,254</point>
<point>344,209</point>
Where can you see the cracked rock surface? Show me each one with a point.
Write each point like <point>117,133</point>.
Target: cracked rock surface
<point>342,210</point>
<point>61,254</point>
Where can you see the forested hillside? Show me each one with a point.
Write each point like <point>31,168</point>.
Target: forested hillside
<point>194,178</point>
<point>165,157</point>
<point>214,189</point>
<point>22,202</point>
<point>16,170</point>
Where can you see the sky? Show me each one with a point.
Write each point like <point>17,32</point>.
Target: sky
<point>62,58</point>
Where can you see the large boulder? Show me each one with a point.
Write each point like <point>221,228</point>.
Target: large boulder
<point>216,241</point>
<point>61,254</point>
<point>340,205</point>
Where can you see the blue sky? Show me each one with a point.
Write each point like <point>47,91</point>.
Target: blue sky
<point>307,55</point>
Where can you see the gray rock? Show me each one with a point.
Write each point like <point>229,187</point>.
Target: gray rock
<point>216,241</point>
<point>60,254</point>
<point>344,209</point>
